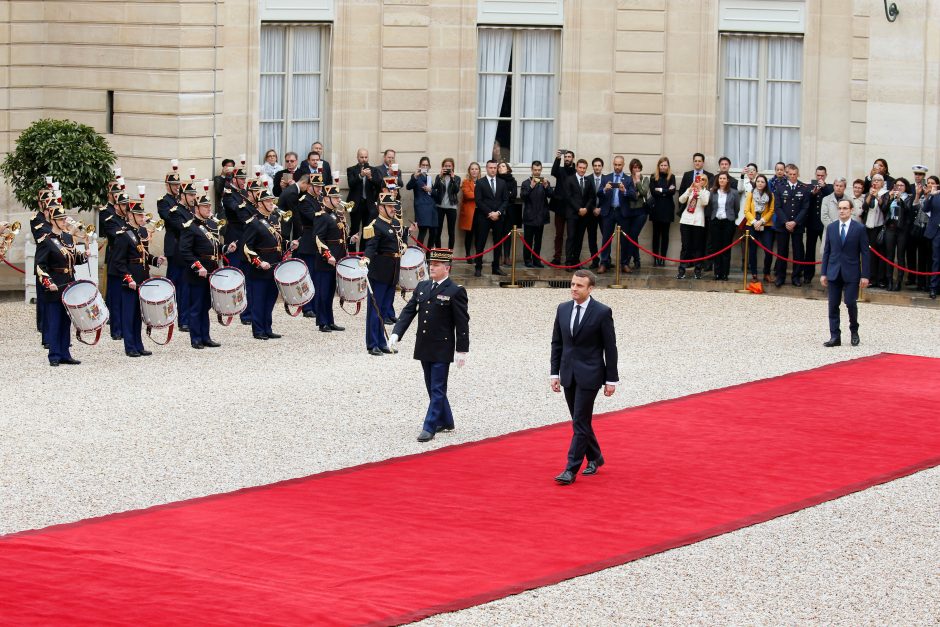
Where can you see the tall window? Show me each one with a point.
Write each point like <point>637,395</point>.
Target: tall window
<point>762,95</point>
<point>291,86</point>
<point>517,94</point>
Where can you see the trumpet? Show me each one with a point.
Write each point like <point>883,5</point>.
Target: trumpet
<point>348,206</point>
<point>152,226</point>
<point>284,215</point>
<point>8,233</point>
<point>80,228</point>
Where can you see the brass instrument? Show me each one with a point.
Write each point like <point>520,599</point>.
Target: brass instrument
<point>152,226</point>
<point>80,229</point>
<point>283,215</point>
<point>8,233</point>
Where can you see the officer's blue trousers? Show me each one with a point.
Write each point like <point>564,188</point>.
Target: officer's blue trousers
<point>310,260</point>
<point>198,315</point>
<point>435,379</point>
<point>236,260</point>
<point>130,319</point>
<point>261,303</point>
<point>175,271</point>
<point>324,283</point>
<point>375,325</point>
<point>112,300</point>
<point>58,327</point>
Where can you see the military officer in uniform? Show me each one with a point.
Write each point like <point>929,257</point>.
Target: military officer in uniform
<point>112,225</point>
<point>56,259</point>
<point>263,249</point>
<point>443,336</point>
<point>383,250</point>
<point>130,259</point>
<point>200,250</point>
<point>329,230</point>
<point>304,215</point>
<point>791,207</point>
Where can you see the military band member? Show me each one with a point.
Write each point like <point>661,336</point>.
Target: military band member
<point>263,249</point>
<point>304,215</point>
<point>384,246</point>
<point>329,230</point>
<point>56,258</point>
<point>111,226</point>
<point>130,259</point>
<point>247,209</point>
<point>40,226</point>
<point>236,212</point>
<point>175,213</point>
<point>200,249</point>
<point>443,334</point>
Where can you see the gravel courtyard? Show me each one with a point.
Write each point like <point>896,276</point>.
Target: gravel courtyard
<point>117,433</point>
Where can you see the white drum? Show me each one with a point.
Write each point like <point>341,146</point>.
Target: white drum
<point>86,308</point>
<point>228,294</point>
<point>294,284</point>
<point>158,308</point>
<point>414,269</point>
<point>351,282</point>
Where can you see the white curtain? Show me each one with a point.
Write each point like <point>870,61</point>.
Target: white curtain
<point>273,55</point>
<point>495,48</point>
<point>784,100</point>
<point>305,88</point>
<point>538,95</point>
<point>742,81</point>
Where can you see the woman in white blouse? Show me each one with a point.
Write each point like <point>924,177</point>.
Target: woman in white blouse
<point>692,224</point>
<point>724,213</point>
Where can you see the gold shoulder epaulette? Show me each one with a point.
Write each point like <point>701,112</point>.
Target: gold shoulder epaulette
<point>369,231</point>
<point>108,217</point>
<point>302,196</point>
<point>249,220</point>
<point>173,208</point>
<point>319,213</point>
<point>241,205</point>
<point>41,239</point>
<point>186,225</point>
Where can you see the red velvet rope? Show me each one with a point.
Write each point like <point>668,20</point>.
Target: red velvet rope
<point>20,270</point>
<point>901,268</point>
<point>787,259</point>
<point>491,248</point>
<point>577,265</point>
<point>696,260</point>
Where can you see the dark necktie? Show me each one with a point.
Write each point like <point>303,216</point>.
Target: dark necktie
<point>843,232</point>
<point>577,319</point>
<point>581,184</point>
<point>433,286</point>
<point>493,186</point>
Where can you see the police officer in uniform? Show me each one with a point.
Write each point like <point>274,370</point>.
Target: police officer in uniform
<point>112,225</point>
<point>383,250</point>
<point>263,249</point>
<point>304,215</point>
<point>443,334</point>
<point>200,249</point>
<point>329,230</point>
<point>791,206</point>
<point>56,258</point>
<point>130,259</point>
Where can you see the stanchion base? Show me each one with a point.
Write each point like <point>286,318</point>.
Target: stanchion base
<point>510,286</point>
<point>743,292</point>
<point>616,287</point>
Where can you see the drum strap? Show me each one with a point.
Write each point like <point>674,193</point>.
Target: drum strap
<point>169,335</point>
<point>295,313</point>
<point>342,305</point>
<point>227,320</point>
<point>78,336</point>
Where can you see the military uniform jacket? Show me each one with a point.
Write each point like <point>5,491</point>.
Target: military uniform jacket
<point>56,259</point>
<point>234,207</point>
<point>791,205</point>
<point>384,247</point>
<point>330,236</point>
<point>443,321</point>
<point>305,214</point>
<point>131,255</point>
<point>262,243</point>
<point>110,225</point>
<point>199,248</point>
<point>39,226</point>
<point>165,207</point>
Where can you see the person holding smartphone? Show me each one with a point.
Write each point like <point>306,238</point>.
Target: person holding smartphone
<point>445,193</point>
<point>425,211</point>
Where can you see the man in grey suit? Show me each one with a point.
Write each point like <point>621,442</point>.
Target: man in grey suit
<point>846,264</point>
<point>584,358</point>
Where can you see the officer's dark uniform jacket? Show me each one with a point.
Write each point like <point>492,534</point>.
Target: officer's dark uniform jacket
<point>791,205</point>
<point>330,237</point>
<point>262,243</point>
<point>443,321</point>
<point>199,248</point>
<point>56,259</point>
<point>303,218</point>
<point>168,208</point>
<point>131,255</point>
<point>39,226</point>
<point>384,248</point>
<point>235,209</point>
<point>110,225</point>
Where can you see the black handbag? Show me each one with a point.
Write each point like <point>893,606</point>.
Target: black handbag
<point>920,223</point>
<point>880,238</point>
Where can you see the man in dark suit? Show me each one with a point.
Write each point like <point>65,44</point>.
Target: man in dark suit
<point>492,202</point>
<point>315,162</point>
<point>362,191</point>
<point>791,206</point>
<point>584,358</point>
<point>582,199</point>
<point>443,335</point>
<point>698,169</point>
<point>614,193</point>
<point>932,234</point>
<point>846,264</point>
<point>562,169</point>
<point>283,178</point>
<point>383,171</point>
<point>814,226</point>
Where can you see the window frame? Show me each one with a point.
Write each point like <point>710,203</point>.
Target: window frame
<point>515,74</point>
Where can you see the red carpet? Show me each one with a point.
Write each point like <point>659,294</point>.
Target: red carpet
<point>403,539</point>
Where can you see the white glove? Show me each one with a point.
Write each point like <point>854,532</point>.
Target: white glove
<point>460,359</point>
<point>393,341</point>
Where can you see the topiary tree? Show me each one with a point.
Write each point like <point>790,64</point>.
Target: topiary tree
<point>72,153</point>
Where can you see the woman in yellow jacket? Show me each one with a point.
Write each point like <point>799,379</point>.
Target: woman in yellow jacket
<point>759,216</point>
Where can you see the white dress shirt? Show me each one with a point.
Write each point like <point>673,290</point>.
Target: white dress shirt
<point>574,314</point>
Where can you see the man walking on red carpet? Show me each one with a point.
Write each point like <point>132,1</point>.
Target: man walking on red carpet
<point>584,357</point>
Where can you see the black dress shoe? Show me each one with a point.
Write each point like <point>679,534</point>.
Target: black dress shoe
<point>45,346</point>
<point>246,321</point>
<point>681,273</point>
<point>593,466</point>
<point>527,264</point>
<point>258,336</point>
<point>309,314</point>
<point>833,342</point>
<point>425,436</point>
<point>855,339</point>
<point>933,294</point>
<point>197,345</point>
<point>53,363</point>
<point>70,362</point>
<point>376,351</point>
<point>797,283</point>
<point>478,272</point>
<point>145,353</point>
<point>778,283</point>
<point>538,264</point>
<point>498,272</point>
<point>556,261</point>
<point>211,344</point>
<point>132,353</point>
<point>183,328</point>
<point>565,478</point>
<point>595,265</point>
<point>336,327</point>
<point>273,336</point>
<point>116,337</point>
<point>698,273</point>
<point>386,350</point>
<point>325,328</point>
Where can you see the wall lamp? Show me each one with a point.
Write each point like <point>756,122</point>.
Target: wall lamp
<point>891,11</point>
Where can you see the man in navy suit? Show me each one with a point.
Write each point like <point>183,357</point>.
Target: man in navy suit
<point>932,234</point>
<point>846,264</point>
<point>492,202</point>
<point>584,358</point>
<point>613,195</point>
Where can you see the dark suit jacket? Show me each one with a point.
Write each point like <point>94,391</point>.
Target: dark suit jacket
<point>606,199</point>
<point>486,201</point>
<point>687,183</point>
<point>276,181</point>
<point>443,321</point>
<point>791,204</point>
<point>304,168</point>
<point>577,198</point>
<point>933,226</point>
<point>379,173</point>
<point>843,258</point>
<point>587,359</point>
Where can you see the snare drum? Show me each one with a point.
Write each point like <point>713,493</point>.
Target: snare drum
<point>294,284</point>
<point>86,309</point>
<point>351,282</point>
<point>158,308</point>
<point>414,269</point>
<point>227,292</point>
